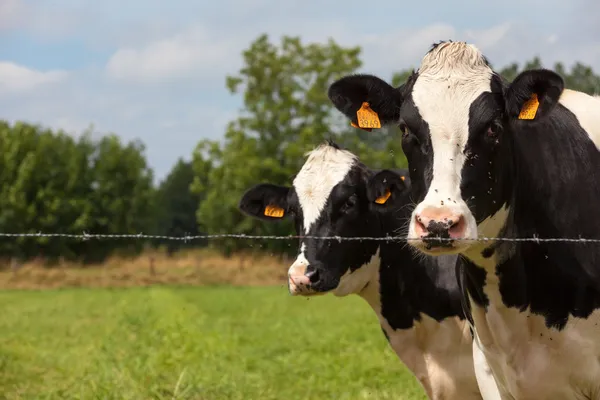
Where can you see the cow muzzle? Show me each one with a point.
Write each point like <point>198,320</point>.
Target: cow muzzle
<point>441,230</point>
<point>300,280</point>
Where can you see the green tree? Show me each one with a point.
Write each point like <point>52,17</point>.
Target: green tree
<point>286,113</point>
<point>176,206</point>
<point>122,196</point>
<point>44,186</point>
<point>51,182</point>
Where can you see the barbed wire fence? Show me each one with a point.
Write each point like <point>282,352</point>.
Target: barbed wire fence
<point>188,238</point>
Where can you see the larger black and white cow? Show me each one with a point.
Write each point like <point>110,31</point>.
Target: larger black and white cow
<point>490,158</point>
<point>416,298</point>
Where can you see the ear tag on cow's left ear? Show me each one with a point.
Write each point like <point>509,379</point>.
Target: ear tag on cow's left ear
<point>274,211</point>
<point>367,118</point>
<point>352,124</point>
<point>384,198</point>
<point>530,108</point>
<point>403,177</point>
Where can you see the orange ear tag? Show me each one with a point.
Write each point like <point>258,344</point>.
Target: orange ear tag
<point>530,108</point>
<point>274,211</point>
<point>384,198</point>
<point>402,177</point>
<point>367,118</point>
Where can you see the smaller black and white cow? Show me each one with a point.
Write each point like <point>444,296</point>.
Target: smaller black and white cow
<point>416,297</point>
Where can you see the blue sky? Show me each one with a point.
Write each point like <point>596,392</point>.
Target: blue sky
<point>155,70</point>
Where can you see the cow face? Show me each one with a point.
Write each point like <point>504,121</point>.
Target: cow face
<point>333,195</point>
<point>457,117</point>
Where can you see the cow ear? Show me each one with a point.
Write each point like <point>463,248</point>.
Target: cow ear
<point>385,186</point>
<point>266,202</point>
<point>533,94</point>
<point>368,101</point>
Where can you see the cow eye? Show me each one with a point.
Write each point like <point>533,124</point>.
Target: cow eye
<point>350,203</point>
<point>493,131</point>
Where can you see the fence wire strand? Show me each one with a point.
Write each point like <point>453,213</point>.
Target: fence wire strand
<point>187,238</point>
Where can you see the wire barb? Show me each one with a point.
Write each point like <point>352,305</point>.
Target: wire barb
<point>187,238</point>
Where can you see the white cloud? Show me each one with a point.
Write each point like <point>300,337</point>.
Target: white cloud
<point>47,21</point>
<point>189,53</point>
<point>9,11</point>
<point>164,81</point>
<point>16,78</point>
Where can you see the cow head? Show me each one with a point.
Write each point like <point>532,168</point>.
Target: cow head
<point>332,195</point>
<point>457,117</point>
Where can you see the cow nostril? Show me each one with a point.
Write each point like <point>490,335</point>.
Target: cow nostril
<point>312,275</point>
<point>456,228</point>
<point>421,229</point>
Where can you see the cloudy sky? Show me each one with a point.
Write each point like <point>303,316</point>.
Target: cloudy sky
<point>155,69</point>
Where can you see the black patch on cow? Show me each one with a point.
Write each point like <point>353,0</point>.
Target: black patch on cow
<point>459,272</point>
<point>550,168</point>
<point>473,278</point>
<point>488,252</point>
<point>546,169</point>
<point>411,288</point>
<point>416,145</point>
<point>555,195</point>
<point>487,173</point>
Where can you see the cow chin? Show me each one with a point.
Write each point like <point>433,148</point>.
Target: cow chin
<point>298,286</point>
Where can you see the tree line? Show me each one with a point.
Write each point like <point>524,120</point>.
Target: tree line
<point>53,182</point>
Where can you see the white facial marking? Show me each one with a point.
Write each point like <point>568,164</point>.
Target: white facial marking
<point>450,78</point>
<point>587,110</point>
<point>298,283</point>
<point>325,167</point>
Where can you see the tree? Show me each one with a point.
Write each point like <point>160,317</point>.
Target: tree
<point>176,206</point>
<point>122,196</point>
<point>286,113</point>
<point>51,182</point>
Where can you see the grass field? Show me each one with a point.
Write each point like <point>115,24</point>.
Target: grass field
<point>194,343</point>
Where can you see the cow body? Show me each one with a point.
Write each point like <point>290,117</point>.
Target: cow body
<point>490,159</point>
<point>416,298</point>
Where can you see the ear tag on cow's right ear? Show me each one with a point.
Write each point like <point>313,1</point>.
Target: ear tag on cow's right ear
<point>367,118</point>
<point>403,177</point>
<point>384,198</point>
<point>530,108</point>
<point>274,211</point>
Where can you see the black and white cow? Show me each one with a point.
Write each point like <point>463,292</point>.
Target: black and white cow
<point>489,158</point>
<point>416,298</point>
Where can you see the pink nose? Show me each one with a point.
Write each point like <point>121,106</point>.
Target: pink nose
<point>439,222</point>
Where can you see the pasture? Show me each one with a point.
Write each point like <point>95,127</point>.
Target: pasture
<point>209,343</point>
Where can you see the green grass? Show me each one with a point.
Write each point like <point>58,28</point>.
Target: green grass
<point>194,343</point>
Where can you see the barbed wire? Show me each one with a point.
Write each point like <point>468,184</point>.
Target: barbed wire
<point>186,238</point>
